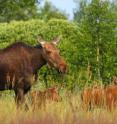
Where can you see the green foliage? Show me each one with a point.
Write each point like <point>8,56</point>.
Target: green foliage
<point>17,9</point>
<point>28,9</point>
<point>49,11</point>
<point>98,24</point>
<point>79,11</point>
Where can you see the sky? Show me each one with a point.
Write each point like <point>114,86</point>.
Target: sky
<point>65,5</point>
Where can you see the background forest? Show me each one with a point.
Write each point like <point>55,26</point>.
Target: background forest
<point>89,40</point>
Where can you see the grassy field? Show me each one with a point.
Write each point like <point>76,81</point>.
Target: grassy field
<point>67,111</point>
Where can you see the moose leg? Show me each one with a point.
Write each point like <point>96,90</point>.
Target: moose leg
<point>22,88</point>
<point>19,96</point>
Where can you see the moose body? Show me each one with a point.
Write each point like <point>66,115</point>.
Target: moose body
<point>19,64</point>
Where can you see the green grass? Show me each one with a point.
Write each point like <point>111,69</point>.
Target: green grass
<point>67,111</point>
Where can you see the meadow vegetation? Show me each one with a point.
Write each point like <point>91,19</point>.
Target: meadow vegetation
<point>67,111</point>
<point>89,45</point>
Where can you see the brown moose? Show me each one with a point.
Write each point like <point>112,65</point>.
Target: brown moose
<point>19,64</point>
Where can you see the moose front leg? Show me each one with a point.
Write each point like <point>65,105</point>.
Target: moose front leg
<point>19,98</point>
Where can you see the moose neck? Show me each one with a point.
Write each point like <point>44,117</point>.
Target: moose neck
<point>37,59</point>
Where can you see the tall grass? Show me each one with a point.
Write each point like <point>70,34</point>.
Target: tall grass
<point>67,111</point>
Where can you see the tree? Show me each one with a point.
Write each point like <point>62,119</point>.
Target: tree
<point>79,12</point>
<point>49,11</point>
<point>99,45</point>
<point>18,9</point>
<point>28,9</point>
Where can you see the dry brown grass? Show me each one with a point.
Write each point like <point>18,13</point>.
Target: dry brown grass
<point>67,111</point>
<point>100,97</point>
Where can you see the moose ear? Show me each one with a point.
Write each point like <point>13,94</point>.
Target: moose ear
<point>56,40</point>
<point>41,41</point>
